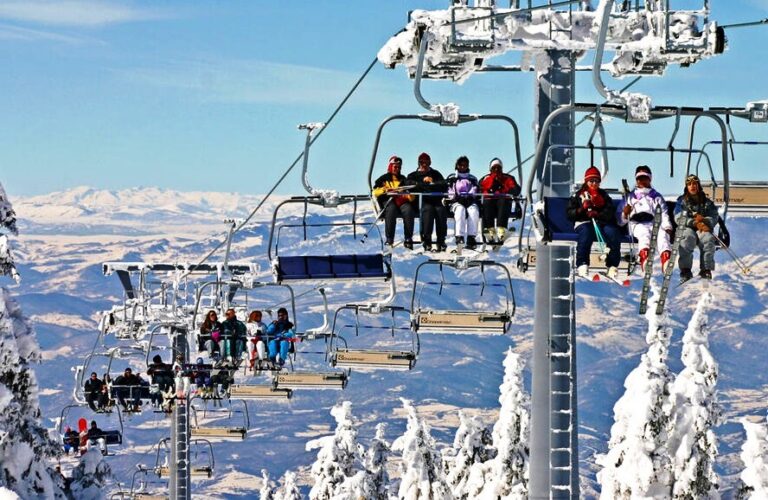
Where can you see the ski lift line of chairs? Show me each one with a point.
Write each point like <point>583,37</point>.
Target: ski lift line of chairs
<point>219,432</point>
<point>204,471</point>
<point>550,223</point>
<point>386,359</point>
<point>476,322</point>
<point>373,266</point>
<point>111,437</point>
<point>745,197</point>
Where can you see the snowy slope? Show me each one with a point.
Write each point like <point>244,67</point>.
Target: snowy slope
<point>67,235</point>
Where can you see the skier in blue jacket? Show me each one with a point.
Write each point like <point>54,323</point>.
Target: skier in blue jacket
<point>280,332</point>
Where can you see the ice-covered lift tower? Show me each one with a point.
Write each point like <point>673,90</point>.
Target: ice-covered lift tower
<point>645,37</point>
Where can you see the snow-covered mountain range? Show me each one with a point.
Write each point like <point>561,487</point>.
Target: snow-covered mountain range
<point>65,236</point>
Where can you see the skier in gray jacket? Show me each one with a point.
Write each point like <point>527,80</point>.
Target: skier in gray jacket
<point>696,216</point>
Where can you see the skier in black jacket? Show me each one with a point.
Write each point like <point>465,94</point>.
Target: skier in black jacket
<point>588,204</point>
<point>434,215</point>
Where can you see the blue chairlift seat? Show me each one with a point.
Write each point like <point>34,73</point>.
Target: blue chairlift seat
<point>557,227</point>
<point>312,267</point>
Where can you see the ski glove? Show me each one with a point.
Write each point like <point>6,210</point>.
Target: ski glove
<point>587,205</point>
<point>702,227</point>
<point>592,214</point>
<point>627,210</point>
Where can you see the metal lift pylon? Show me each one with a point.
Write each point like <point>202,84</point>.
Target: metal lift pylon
<point>180,484</point>
<point>554,471</point>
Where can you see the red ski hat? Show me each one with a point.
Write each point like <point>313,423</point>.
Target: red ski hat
<point>424,157</point>
<point>394,161</point>
<point>592,173</point>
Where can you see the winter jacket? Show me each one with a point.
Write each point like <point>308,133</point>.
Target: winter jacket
<point>255,329</point>
<point>205,334</point>
<point>388,182</point>
<point>280,330</point>
<point>93,386</point>
<point>161,374</point>
<point>643,202</point>
<point>233,329</point>
<point>500,184</point>
<point>603,207</point>
<point>131,379</point>
<point>688,207</point>
<point>438,185</point>
<point>462,189</point>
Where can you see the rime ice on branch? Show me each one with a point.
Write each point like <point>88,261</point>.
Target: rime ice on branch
<point>695,412</point>
<point>421,466</point>
<point>754,454</point>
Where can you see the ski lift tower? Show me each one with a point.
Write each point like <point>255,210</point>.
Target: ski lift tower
<point>645,37</point>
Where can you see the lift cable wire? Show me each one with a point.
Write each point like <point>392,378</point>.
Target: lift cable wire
<point>295,162</point>
<point>745,25</point>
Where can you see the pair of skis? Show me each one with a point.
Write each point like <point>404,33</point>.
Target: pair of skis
<point>648,271</point>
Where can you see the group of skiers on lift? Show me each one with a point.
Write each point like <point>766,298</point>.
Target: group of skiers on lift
<point>267,346</point>
<point>129,388</point>
<point>592,211</point>
<point>426,190</point>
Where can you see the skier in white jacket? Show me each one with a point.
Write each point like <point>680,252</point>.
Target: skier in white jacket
<point>638,209</point>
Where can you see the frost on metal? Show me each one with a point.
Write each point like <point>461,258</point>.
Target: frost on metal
<point>466,38</point>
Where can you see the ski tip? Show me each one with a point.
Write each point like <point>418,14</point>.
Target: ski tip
<point>625,282</point>
<point>596,277</point>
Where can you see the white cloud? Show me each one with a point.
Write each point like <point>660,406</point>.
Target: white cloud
<point>248,81</point>
<point>75,12</point>
<point>9,32</point>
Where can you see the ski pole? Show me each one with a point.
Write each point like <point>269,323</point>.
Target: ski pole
<point>600,240</point>
<point>742,267</point>
<point>375,220</point>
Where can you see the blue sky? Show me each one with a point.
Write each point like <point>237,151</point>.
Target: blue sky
<point>207,95</point>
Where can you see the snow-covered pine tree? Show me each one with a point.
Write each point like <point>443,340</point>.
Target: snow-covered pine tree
<point>754,454</point>
<point>506,475</point>
<point>90,476</point>
<point>267,491</point>
<point>376,464</point>
<point>26,448</point>
<point>289,490</point>
<point>637,464</point>
<point>471,445</point>
<point>7,214</point>
<point>338,455</point>
<point>421,475</point>
<point>7,221</point>
<point>695,412</point>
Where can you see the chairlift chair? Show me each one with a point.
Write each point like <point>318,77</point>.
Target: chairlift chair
<point>211,432</point>
<point>440,120</point>
<point>325,267</point>
<point>344,356</point>
<point>202,470</point>
<point>467,321</point>
<point>110,437</point>
<point>549,223</point>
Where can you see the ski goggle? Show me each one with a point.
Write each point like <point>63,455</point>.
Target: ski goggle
<point>691,179</point>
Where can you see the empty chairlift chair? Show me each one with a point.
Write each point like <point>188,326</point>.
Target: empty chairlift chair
<point>348,353</point>
<point>316,266</point>
<point>201,463</point>
<point>492,319</point>
<point>223,425</point>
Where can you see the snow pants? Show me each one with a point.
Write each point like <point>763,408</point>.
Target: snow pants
<point>256,349</point>
<point>497,209</point>
<point>586,236</point>
<point>433,216</point>
<point>391,213</point>
<point>690,240</point>
<point>642,231</point>
<point>465,219</point>
<point>279,344</point>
